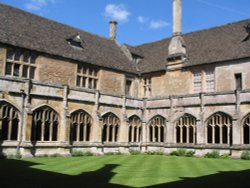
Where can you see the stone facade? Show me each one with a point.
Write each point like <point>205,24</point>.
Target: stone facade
<point>172,98</point>
<point>106,98</point>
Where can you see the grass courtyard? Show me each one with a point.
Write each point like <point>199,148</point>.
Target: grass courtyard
<point>118,171</point>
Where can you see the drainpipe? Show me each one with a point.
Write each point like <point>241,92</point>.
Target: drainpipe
<point>22,118</point>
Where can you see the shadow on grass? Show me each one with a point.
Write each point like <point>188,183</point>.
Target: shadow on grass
<point>16,173</point>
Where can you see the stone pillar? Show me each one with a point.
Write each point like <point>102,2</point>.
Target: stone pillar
<point>170,124</point>
<point>236,125</point>
<point>145,138</point>
<point>96,133</point>
<point>65,118</point>
<point>112,30</point>
<point>200,126</point>
<point>27,135</point>
<point>236,128</point>
<point>200,132</point>
<point>27,113</point>
<point>123,130</point>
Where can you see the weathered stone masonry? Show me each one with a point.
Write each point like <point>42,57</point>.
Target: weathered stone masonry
<point>71,90</point>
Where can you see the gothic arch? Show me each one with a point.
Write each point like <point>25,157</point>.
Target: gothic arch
<point>208,115</point>
<point>134,129</point>
<point>185,129</point>
<point>9,121</point>
<point>45,124</point>
<point>245,129</point>
<point>156,115</point>
<point>80,126</point>
<point>219,128</point>
<point>43,106</point>
<point>156,129</point>
<point>110,127</point>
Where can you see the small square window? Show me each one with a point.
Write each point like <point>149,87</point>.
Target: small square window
<point>238,81</point>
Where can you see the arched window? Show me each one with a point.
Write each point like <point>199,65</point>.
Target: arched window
<point>156,129</point>
<point>9,122</point>
<point>80,127</point>
<point>246,130</point>
<point>44,125</point>
<point>110,128</point>
<point>134,132</point>
<point>185,128</point>
<point>219,129</point>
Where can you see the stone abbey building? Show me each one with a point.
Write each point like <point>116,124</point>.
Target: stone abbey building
<point>64,89</point>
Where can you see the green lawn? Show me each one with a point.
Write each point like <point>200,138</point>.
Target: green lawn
<point>124,171</point>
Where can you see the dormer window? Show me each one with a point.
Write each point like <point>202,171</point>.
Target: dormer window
<point>136,58</point>
<point>76,41</point>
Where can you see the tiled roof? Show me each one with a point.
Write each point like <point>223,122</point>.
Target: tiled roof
<point>212,45</point>
<point>23,29</point>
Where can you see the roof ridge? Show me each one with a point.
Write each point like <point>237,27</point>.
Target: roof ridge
<point>55,21</point>
<point>192,32</point>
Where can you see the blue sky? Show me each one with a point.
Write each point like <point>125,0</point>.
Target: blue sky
<point>139,21</point>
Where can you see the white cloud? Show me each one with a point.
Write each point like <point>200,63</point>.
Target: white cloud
<point>117,12</point>
<point>158,24</point>
<point>37,5</point>
<point>142,19</point>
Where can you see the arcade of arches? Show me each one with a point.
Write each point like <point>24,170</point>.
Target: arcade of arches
<point>46,126</point>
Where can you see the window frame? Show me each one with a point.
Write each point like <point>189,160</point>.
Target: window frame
<point>205,78</point>
<point>21,63</point>
<point>147,86</point>
<point>90,80</point>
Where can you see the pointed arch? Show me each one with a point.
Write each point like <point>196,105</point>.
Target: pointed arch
<point>219,128</point>
<point>43,106</point>
<point>245,127</point>
<point>185,129</point>
<point>134,128</point>
<point>156,129</point>
<point>9,121</point>
<point>80,126</point>
<point>45,124</point>
<point>110,127</point>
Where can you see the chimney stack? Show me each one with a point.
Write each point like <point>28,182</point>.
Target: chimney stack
<point>177,17</point>
<point>112,30</point>
<point>177,47</point>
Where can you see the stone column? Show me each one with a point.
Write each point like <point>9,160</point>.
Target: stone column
<point>236,128</point>
<point>65,118</point>
<point>236,125</point>
<point>145,138</point>
<point>96,132</point>
<point>200,132</point>
<point>200,126</point>
<point>170,124</point>
<point>28,123</point>
<point>123,130</point>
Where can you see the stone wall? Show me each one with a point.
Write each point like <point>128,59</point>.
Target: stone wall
<point>111,82</point>
<point>2,60</point>
<point>178,82</point>
<point>65,100</point>
<point>56,71</point>
<point>225,79</point>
